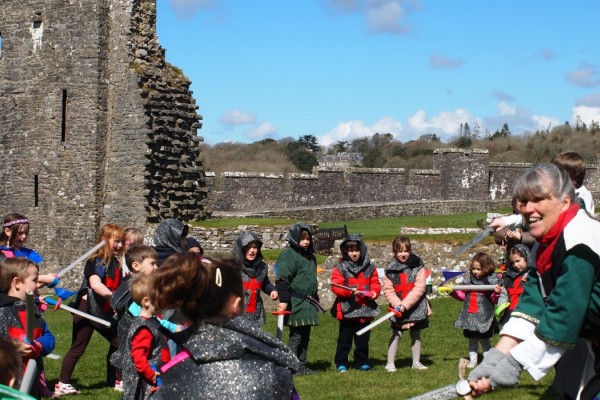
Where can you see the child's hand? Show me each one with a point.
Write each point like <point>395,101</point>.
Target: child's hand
<point>25,350</point>
<point>516,234</point>
<point>498,289</point>
<point>155,377</point>
<point>29,351</point>
<point>282,306</point>
<point>274,295</point>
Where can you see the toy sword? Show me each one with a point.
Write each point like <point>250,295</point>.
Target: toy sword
<point>280,315</point>
<point>83,257</point>
<point>478,238</point>
<point>58,304</point>
<point>31,368</point>
<point>470,288</point>
<point>452,391</point>
<point>391,313</point>
<point>365,293</point>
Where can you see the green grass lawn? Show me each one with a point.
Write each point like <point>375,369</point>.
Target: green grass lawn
<point>443,345</point>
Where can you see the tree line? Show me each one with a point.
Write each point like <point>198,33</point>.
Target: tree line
<point>382,150</point>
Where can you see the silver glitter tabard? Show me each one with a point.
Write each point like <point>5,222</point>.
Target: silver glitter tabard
<point>480,321</point>
<point>236,361</point>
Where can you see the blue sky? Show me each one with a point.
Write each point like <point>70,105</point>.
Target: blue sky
<point>344,69</point>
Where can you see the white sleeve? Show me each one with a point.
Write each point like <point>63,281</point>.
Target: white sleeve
<point>509,220</point>
<point>535,356</point>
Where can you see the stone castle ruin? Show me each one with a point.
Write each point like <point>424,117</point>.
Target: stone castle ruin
<point>95,125</point>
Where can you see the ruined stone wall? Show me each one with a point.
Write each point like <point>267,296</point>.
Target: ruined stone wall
<point>424,184</point>
<point>460,175</point>
<point>503,177</point>
<point>336,193</point>
<point>95,125</point>
<point>53,120</point>
<point>376,184</point>
<point>464,173</point>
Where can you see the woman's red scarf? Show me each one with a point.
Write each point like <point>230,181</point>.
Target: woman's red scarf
<point>543,258</point>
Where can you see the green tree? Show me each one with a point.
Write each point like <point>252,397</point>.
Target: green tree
<point>310,141</point>
<point>373,159</point>
<point>360,145</point>
<point>303,160</point>
<point>341,147</point>
<point>505,132</point>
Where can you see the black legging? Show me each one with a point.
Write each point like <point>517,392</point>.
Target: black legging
<point>83,329</point>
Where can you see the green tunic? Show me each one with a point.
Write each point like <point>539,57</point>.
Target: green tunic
<point>575,294</point>
<point>301,274</point>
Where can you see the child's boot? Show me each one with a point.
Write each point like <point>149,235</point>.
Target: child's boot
<point>472,360</point>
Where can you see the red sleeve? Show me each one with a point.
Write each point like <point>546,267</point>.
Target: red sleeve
<point>141,347</point>
<point>337,277</point>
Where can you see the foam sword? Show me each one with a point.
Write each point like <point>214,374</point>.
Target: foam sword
<point>58,304</point>
<point>365,293</point>
<point>470,288</point>
<point>81,258</point>
<point>472,242</point>
<point>452,391</point>
<point>31,368</point>
<point>392,312</point>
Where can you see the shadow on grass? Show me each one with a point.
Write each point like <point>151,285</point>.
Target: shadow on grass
<point>320,365</point>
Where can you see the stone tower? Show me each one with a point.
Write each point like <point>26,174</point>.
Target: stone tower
<point>95,125</point>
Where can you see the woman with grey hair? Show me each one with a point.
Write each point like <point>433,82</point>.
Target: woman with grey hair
<point>561,302</point>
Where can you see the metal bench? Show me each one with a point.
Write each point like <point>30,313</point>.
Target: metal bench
<point>326,237</point>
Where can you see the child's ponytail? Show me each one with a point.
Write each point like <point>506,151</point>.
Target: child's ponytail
<point>200,288</point>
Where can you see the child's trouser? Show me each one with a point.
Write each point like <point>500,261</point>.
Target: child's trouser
<point>298,341</point>
<point>347,334</point>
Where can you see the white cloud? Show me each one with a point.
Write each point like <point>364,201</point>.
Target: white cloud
<point>506,109</point>
<point>382,16</point>
<point>446,123</point>
<point>262,131</point>
<point>237,117</point>
<point>586,114</point>
<point>439,61</point>
<point>350,130</point>
<point>586,76</point>
<point>545,122</point>
<point>519,119</point>
<point>186,9</point>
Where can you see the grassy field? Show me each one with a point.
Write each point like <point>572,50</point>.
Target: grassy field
<point>443,345</point>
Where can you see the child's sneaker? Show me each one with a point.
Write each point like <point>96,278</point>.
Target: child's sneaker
<point>119,386</point>
<point>365,367</point>
<point>418,365</point>
<point>342,369</point>
<point>472,360</point>
<point>390,368</point>
<point>62,389</point>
